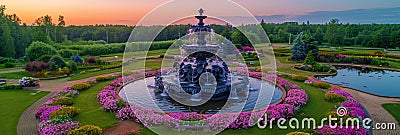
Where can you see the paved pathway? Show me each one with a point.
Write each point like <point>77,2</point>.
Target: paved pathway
<point>378,113</point>
<point>27,124</point>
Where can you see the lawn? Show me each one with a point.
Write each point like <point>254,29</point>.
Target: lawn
<point>14,75</point>
<point>91,74</point>
<point>394,109</point>
<point>316,108</point>
<point>92,112</point>
<point>12,104</point>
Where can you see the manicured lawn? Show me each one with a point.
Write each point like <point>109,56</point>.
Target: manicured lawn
<point>14,75</point>
<point>316,108</point>
<point>97,73</point>
<point>92,112</point>
<point>394,109</point>
<point>12,104</point>
<point>289,69</point>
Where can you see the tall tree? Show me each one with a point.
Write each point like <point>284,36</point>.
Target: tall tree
<point>7,42</point>
<point>319,35</point>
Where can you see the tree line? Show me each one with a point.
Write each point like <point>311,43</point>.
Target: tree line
<point>16,36</point>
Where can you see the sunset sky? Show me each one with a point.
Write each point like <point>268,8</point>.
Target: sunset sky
<point>129,12</point>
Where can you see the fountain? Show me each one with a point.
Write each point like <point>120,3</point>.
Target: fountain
<point>201,59</point>
<point>201,80</point>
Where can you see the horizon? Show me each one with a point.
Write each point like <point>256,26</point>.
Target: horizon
<point>129,13</point>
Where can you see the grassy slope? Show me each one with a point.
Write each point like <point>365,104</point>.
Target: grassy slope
<point>92,112</point>
<point>91,74</point>
<point>394,109</point>
<point>12,104</point>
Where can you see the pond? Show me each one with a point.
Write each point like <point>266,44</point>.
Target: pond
<point>375,81</point>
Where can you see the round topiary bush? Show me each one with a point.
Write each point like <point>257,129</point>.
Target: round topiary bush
<point>322,85</point>
<point>299,78</point>
<point>86,130</point>
<point>65,111</point>
<point>38,49</point>
<point>335,98</point>
<point>64,101</point>
<point>57,60</point>
<point>80,86</point>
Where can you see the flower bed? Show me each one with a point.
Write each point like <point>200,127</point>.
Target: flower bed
<point>57,119</point>
<point>354,109</point>
<point>108,98</point>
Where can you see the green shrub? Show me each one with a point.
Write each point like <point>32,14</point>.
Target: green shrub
<point>67,53</point>
<point>64,101</point>
<point>86,130</point>
<point>80,86</point>
<point>102,78</point>
<point>66,111</point>
<point>322,85</point>
<point>59,61</point>
<point>38,49</point>
<point>335,98</point>
<point>45,58</point>
<point>73,66</point>
<point>297,133</point>
<point>5,60</point>
<point>333,114</point>
<point>121,103</point>
<point>11,86</point>
<point>299,78</point>
<point>9,65</point>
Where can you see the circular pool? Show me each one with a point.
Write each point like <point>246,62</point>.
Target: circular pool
<point>260,94</point>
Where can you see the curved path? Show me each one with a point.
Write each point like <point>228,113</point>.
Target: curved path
<point>27,124</point>
<point>373,104</point>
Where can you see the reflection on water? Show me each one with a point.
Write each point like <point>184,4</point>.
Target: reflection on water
<point>374,81</point>
<point>140,94</point>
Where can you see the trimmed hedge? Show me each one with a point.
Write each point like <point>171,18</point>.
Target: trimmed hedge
<point>335,98</point>
<point>64,101</point>
<point>80,86</point>
<point>299,78</point>
<point>66,111</point>
<point>102,78</point>
<point>322,85</point>
<point>86,130</point>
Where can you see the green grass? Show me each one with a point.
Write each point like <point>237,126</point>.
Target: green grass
<point>316,108</point>
<point>393,109</point>
<point>12,104</point>
<point>14,75</point>
<point>289,69</point>
<point>92,112</point>
<point>91,74</point>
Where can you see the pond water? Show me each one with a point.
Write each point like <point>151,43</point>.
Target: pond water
<point>139,93</point>
<point>374,81</point>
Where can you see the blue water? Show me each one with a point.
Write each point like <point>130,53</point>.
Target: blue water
<point>374,81</point>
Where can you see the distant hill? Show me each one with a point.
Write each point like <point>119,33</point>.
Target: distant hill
<point>362,16</point>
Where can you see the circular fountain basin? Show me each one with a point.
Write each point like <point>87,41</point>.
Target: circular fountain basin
<point>139,93</point>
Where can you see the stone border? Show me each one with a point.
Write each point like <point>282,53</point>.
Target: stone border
<point>316,75</point>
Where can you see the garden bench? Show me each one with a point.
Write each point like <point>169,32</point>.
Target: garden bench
<point>3,82</point>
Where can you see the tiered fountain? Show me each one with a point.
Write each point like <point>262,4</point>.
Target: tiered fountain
<point>201,81</point>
